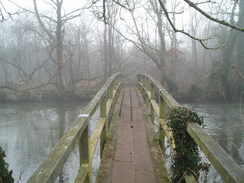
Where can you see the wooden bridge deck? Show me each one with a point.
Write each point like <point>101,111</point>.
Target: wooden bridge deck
<point>132,162</point>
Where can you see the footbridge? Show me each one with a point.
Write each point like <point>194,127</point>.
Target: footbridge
<point>132,134</point>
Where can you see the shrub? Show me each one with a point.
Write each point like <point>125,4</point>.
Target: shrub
<point>5,174</point>
<point>186,158</point>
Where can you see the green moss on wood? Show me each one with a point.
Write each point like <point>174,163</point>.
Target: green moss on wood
<point>157,157</point>
<point>109,150</point>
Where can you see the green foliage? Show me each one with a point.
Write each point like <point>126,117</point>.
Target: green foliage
<point>186,158</point>
<point>5,175</point>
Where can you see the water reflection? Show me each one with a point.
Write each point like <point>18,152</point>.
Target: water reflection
<point>29,131</point>
<point>225,124</point>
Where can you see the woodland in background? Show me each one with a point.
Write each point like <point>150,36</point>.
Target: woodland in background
<point>195,49</point>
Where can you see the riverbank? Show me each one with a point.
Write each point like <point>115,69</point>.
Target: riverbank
<point>45,96</point>
<point>47,93</point>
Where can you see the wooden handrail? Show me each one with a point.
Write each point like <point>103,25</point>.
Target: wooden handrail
<point>77,133</point>
<point>228,169</point>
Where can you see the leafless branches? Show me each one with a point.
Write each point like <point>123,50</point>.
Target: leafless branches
<point>200,40</point>
<point>5,14</point>
<point>27,76</point>
<point>204,2</point>
<point>195,6</point>
<point>222,22</point>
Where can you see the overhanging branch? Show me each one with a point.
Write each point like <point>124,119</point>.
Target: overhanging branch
<point>222,22</point>
<point>200,40</point>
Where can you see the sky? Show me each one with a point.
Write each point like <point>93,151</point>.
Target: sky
<point>69,5</point>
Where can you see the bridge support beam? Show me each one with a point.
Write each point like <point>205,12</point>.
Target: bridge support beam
<point>103,114</point>
<point>152,96</point>
<point>162,117</point>
<point>84,154</point>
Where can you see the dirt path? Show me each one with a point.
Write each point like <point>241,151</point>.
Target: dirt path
<point>132,162</point>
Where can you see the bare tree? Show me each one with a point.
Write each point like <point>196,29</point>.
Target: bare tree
<point>20,51</point>
<point>77,51</point>
<point>57,35</point>
<point>156,52</point>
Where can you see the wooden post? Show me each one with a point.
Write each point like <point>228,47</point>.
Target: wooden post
<point>103,114</point>
<point>110,90</point>
<point>162,116</point>
<point>140,79</point>
<point>162,108</point>
<point>110,96</point>
<point>147,84</point>
<point>147,100</point>
<point>103,107</point>
<point>152,91</point>
<point>152,113</point>
<point>117,81</point>
<point>84,154</point>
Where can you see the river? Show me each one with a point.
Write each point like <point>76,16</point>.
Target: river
<point>225,123</point>
<point>29,131</point>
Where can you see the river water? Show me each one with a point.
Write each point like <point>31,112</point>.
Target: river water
<point>29,131</point>
<point>225,123</point>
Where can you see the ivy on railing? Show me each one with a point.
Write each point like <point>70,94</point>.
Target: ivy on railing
<point>186,158</point>
<point>5,174</point>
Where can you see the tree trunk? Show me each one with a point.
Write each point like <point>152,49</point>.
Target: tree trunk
<point>233,52</point>
<point>195,58</point>
<point>105,50</point>
<point>59,50</point>
<point>240,47</point>
<point>5,74</point>
<point>110,44</point>
<point>174,49</point>
<point>162,46</point>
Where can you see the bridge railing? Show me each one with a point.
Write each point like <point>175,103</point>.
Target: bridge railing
<point>51,167</point>
<point>158,100</point>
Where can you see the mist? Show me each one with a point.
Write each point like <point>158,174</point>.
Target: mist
<point>56,54</point>
<point>51,50</point>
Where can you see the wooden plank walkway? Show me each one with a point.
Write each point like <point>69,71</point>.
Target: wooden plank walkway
<point>132,162</point>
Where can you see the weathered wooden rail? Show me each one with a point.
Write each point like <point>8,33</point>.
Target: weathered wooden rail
<point>51,167</point>
<point>158,100</point>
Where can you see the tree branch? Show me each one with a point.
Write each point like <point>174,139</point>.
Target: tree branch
<point>4,12</point>
<point>26,10</point>
<point>41,23</point>
<point>72,12</point>
<point>123,6</point>
<point>222,22</point>
<point>203,2</point>
<point>201,41</point>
